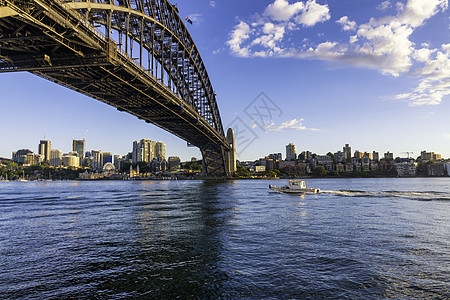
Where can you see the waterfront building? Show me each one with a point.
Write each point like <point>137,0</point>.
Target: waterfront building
<point>365,163</point>
<point>45,147</point>
<point>55,158</point>
<point>436,170</point>
<point>117,160</point>
<point>287,163</point>
<point>325,161</point>
<point>146,150</point>
<point>340,168</point>
<point>160,150</point>
<point>358,155</point>
<point>424,155</point>
<point>374,165</point>
<point>79,146</point>
<point>406,169</point>
<point>158,165</point>
<point>257,169</point>
<point>97,160</point>
<point>70,160</point>
<point>19,154</point>
<point>355,160</point>
<point>291,152</point>
<point>367,154</point>
<point>339,157</point>
<point>347,152</point>
<point>174,162</point>
<point>267,162</point>
<point>107,158</point>
<point>276,156</point>
<point>447,168</point>
<point>305,156</point>
<point>348,167</point>
<point>388,156</point>
<point>375,156</point>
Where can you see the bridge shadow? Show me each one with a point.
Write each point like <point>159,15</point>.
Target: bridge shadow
<point>180,239</point>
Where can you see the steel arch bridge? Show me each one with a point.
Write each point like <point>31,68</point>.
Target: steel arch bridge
<point>135,55</point>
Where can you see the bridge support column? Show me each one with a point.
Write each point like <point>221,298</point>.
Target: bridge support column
<point>218,161</point>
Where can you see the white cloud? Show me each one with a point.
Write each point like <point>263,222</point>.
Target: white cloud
<point>218,51</point>
<point>384,5</point>
<point>212,3</point>
<point>238,35</point>
<point>346,24</point>
<point>428,92</point>
<point>381,43</point>
<point>281,10</point>
<point>289,125</point>
<point>417,11</point>
<point>447,136</point>
<point>313,13</point>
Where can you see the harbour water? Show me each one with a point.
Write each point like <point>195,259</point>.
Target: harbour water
<point>359,239</point>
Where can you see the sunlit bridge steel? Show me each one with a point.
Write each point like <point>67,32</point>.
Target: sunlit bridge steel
<point>135,55</point>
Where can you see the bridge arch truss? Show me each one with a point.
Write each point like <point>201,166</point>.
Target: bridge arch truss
<point>136,55</point>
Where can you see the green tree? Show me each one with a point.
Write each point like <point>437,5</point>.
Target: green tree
<point>242,172</point>
<point>270,173</point>
<point>320,171</point>
<point>331,155</point>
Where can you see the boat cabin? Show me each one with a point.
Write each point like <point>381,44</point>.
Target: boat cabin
<point>299,184</point>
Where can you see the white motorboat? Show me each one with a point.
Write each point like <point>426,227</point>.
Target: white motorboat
<point>295,187</point>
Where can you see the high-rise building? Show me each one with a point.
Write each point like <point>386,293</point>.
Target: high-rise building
<point>347,152</point>
<point>276,156</point>
<point>17,155</point>
<point>97,159</point>
<point>375,156</point>
<point>55,158</point>
<point>291,152</point>
<point>174,162</point>
<point>107,158</point>
<point>160,150</point>
<point>79,146</point>
<point>143,150</point>
<point>424,155</point>
<point>146,150</point>
<point>389,156</point>
<point>44,149</point>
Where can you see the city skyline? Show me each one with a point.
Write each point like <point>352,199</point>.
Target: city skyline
<point>327,96</point>
<point>290,152</point>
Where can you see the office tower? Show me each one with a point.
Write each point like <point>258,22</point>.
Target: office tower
<point>347,152</point>
<point>160,150</point>
<point>79,146</point>
<point>44,149</point>
<point>55,158</point>
<point>97,159</point>
<point>145,150</point>
<point>107,157</point>
<point>291,152</point>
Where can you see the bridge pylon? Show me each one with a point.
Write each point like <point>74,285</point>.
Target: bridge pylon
<point>219,161</point>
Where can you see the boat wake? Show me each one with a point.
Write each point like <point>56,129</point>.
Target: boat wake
<point>413,195</point>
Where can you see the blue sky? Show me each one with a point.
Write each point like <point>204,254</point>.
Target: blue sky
<point>374,74</point>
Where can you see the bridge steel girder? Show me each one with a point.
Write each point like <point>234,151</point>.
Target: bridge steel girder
<point>167,85</point>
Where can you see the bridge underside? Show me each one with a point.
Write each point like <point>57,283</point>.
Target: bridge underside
<point>52,43</point>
